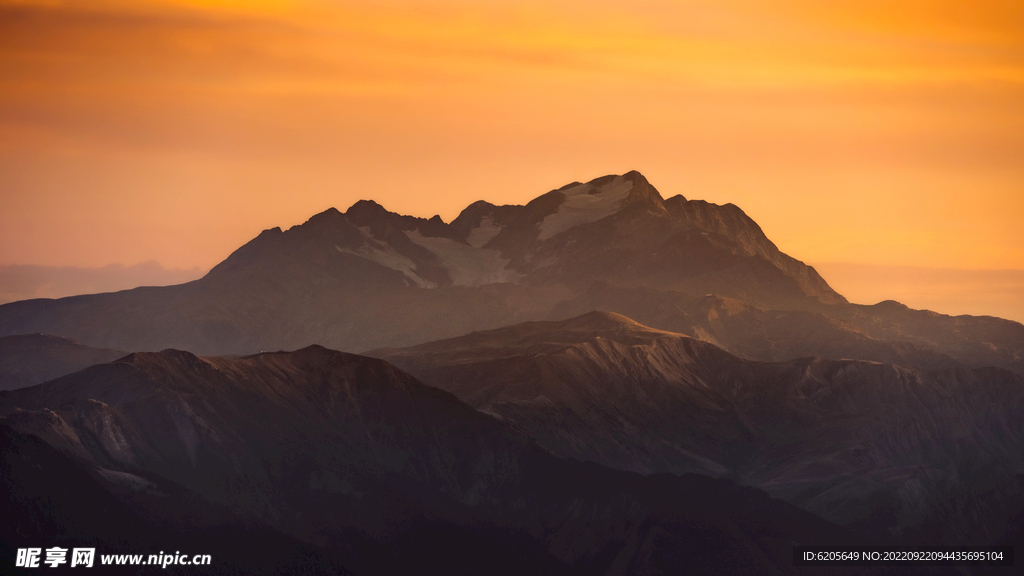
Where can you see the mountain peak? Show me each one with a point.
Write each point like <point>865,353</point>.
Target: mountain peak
<point>601,319</point>
<point>325,217</point>
<point>643,193</point>
<point>602,323</point>
<point>535,336</point>
<point>598,199</point>
<point>366,210</point>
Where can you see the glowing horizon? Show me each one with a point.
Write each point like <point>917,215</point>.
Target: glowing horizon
<point>883,133</point>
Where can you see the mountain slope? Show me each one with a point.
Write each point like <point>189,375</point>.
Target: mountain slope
<point>868,445</point>
<point>886,332</point>
<point>53,501</point>
<point>35,358</point>
<point>350,454</point>
<point>618,228</point>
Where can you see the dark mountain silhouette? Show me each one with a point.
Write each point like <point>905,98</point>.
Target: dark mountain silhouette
<point>35,358</point>
<point>933,456</point>
<point>52,500</point>
<point>329,451</point>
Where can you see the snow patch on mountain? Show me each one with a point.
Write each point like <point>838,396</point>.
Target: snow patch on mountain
<point>584,204</point>
<point>383,254</point>
<point>127,480</point>
<point>467,266</point>
<point>484,233</point>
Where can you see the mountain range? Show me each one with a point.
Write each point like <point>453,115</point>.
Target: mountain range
<point>369,278</point>
<point>601,381</point>
<point>875,447</point>
<point>317,450</point>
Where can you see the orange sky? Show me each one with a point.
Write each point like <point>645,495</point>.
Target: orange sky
<point>881,132</point>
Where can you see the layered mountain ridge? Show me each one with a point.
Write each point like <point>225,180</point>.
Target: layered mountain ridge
<point>30,359</point>
<point>600,381</point>
<point>352,455</point>
<point>928,455</point>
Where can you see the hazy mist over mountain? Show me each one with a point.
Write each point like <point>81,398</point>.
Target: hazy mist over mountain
<point>947,290</point>
<point>24,282</point>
